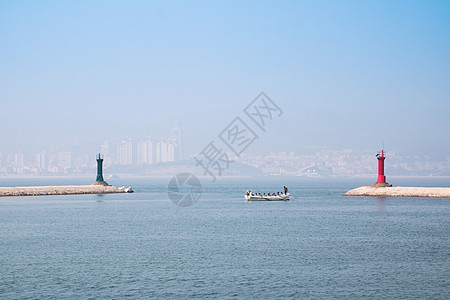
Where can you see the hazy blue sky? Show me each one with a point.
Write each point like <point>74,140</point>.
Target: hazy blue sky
<point>348,74</point>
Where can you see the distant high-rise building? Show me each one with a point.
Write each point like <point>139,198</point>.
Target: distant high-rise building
<point>158,152</point>
<point>165,151</point>
<point>145,152</point>
<point>38,160</point>
<point>18,163</point>
<point>170,152</point>
<point>104,150</point>
<point>149,151</point>
<point>164,154</point>
<point>178,141</point>
<point>141,153</point>
<point>126,153</point>
<point>43,160</point>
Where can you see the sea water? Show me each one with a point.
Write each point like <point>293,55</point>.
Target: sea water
<point>318,245</point>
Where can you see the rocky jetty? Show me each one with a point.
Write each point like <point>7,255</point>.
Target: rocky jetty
<point>400,191</point>
<point>61,190</point>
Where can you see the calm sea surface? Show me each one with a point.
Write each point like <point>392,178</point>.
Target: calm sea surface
<point>319,245</point>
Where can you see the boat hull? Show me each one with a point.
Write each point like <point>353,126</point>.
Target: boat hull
<point>283,197</point>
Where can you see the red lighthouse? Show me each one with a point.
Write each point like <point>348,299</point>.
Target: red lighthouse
<point>381,180</point>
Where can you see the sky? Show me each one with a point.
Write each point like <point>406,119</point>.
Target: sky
<point>346,74</point>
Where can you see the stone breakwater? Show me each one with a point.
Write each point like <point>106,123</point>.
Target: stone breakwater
<point>400,191</point>
<point>61,190</point>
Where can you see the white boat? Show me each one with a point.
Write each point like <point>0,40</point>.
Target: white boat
<point>255,197</point>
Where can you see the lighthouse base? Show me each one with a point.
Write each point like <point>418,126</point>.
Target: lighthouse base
<point>381,184</point>
<point>104,183</point>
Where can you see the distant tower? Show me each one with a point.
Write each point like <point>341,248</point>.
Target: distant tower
<point>178,138</point>
<point>99,180</point>
<point>381,180</point>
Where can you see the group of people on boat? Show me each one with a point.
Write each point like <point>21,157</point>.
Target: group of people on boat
<point>251,193</point>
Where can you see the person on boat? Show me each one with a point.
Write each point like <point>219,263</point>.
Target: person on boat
<point>285,190</point>
<point>273,194</point>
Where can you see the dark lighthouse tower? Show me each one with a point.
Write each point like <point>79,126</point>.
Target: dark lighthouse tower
<point>99,180</point>
<point>381,180</point>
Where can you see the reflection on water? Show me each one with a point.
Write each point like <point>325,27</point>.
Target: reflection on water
<point>381,204</point>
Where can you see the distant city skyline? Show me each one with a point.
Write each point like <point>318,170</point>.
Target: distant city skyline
<point>141,161</point>
<point>347,75</point>
<point>142,156</point>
